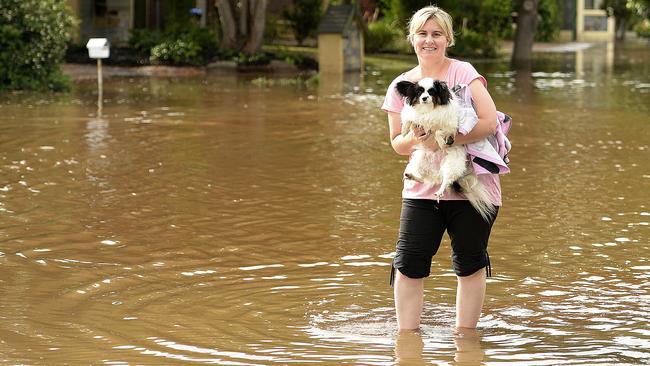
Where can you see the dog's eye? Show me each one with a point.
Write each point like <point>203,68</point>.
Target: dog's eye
<point>420,90</point>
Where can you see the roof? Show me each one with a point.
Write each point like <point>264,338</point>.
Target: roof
<point>338,17</point>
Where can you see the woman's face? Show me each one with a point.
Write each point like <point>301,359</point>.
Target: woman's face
<point>430,41</point>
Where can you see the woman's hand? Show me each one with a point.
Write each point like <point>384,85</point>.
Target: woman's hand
<point>417,138</point>
<point>424,139</point>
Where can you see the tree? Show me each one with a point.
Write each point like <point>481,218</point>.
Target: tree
<point>620,11</point>
<point>242,24</point>
<point>525,34</point>
<point>304,18</point>
<point>33,36</point>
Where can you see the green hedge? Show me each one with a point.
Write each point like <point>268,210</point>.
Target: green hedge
<point>385,36</point>
<point>188,44</point>
<point>33,38</point>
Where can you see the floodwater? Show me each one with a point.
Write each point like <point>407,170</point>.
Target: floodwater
<point>215,221</point>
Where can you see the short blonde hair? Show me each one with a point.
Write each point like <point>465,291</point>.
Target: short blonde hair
<point>439,16</point>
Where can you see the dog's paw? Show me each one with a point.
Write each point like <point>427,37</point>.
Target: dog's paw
<point>413,177</point>
<point>439,193</point>
<point>449,140</point>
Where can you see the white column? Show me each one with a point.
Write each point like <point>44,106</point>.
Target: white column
<point>580,20</point>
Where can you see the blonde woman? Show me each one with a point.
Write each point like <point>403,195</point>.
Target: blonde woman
<point>424,219</point>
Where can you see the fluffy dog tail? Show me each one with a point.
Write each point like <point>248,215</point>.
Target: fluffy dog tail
<point>478,196</point>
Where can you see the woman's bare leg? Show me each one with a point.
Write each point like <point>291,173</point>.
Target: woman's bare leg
<point>469,299</point>
<point>468,347</point>
<point>409,299</point>
<point>409,347</point>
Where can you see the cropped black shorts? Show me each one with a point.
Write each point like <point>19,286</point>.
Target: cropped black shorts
<point>422,224</point>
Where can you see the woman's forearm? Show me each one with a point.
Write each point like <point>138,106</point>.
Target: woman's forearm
<point>403,145</point>
<point>483,129</point>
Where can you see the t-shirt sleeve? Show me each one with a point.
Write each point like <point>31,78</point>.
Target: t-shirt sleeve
<point>393,102</point>
<point>466,73</point>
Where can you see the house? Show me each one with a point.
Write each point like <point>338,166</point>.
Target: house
<point>113,19</point>
<point>586,20</point>
<point>340,39</point>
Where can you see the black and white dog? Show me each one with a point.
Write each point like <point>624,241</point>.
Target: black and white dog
<point>433,107</point>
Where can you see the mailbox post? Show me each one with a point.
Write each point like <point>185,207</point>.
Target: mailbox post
<point>99,48</point>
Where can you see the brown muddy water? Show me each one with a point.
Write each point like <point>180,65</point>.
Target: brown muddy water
<point>214,221</point>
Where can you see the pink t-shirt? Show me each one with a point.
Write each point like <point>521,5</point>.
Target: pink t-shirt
<point>459,72</point>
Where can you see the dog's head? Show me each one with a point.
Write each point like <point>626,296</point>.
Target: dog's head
<point>425,91</point>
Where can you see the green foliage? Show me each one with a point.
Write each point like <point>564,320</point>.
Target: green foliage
<point>643,28</point>
<point>187,44</point>
<point>402,10</point>
<point>177,11</point>
<point>33,38</point>
<point>492,16</point>
<point>548,26</point>
<point>300,61</point>
<point>475,44</point>
<point>144,40</point>
<point>176,52</point>
<point>304,18</point>
<point>385,36</point>
<point>617,8</point>
<point>264,82</point>
<point>257,59</point>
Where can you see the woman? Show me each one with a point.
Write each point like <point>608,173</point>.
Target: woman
<point>424,219</point>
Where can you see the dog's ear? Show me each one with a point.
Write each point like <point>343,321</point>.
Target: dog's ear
<point>403,88</point>
<point>441,91</point>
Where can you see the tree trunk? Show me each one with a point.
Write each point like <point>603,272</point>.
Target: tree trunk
<point>228,25</point>
<point>620,29</point>
<point>258,22</point>
<point>243,18</point>
<point>242,26</point>
<point>526,26</point>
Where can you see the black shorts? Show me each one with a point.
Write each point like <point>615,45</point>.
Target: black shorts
<point>422,224</point>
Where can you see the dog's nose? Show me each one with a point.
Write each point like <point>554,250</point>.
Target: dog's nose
<point>424,99</point>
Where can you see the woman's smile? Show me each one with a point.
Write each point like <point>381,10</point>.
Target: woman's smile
<point>430,39</point>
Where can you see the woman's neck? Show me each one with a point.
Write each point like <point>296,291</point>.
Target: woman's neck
<point>436,69</point>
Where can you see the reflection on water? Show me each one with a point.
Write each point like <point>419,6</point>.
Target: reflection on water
<point>216,221</point>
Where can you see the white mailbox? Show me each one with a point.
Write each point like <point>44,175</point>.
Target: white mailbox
<point>98,48</point>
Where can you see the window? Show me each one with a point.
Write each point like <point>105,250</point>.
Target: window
<point>594,4</point>
<point>596,23</point>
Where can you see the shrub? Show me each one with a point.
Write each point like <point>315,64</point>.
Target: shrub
<point>188,44</point>
<point>257,59</point>
<point>304,18</point>
<point>177,52</point>
<point>33,38</point>
<point>144,40</point>
<point>475,44</point>
<point>382,37</point>
<point>548,25</point>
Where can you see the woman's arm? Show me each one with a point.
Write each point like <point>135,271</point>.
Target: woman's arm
<point>404,145</point>
<point>487,115</point>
